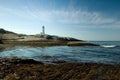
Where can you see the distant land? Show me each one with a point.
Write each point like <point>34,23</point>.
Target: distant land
<point>8,37</point>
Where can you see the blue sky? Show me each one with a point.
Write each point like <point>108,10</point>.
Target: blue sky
<point>82,19</point>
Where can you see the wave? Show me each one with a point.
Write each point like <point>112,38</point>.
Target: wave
<point>108,46</point>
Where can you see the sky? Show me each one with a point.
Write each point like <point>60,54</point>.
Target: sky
<point>81,19</point>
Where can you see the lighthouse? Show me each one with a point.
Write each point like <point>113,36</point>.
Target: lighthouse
<point>43,30</point>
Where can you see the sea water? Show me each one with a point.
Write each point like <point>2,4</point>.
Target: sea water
<point>108,52</point>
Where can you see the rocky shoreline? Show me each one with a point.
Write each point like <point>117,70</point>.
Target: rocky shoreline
<point>49,43</point>
<point>11,38</point>
<point>28,69</point>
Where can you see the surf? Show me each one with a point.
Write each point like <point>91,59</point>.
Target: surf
<point>108,46</point>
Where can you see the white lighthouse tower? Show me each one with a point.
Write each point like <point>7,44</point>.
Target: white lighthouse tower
<point>43,30</point>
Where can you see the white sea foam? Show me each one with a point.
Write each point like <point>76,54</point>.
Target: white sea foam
<point>108,46</point>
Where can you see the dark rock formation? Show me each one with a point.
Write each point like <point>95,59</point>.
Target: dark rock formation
<point>79,43</point>
<point>7,37</point>
<point>2,31</point>
<point>9,70</point>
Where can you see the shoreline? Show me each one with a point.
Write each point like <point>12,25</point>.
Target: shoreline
<point>49,43</point>
<point>8,44</point>
<point>28,69</point>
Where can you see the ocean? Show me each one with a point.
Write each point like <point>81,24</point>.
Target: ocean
<point>108,52</point>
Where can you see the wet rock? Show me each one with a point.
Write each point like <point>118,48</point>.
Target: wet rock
<point>23,69</point>
<point>27,61</point>
<point>58,61</point>
<point>79,43</point>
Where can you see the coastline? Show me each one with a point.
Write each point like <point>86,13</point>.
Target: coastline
<point>47,43</point>
<point>28,69</point>
<point>11,38</point>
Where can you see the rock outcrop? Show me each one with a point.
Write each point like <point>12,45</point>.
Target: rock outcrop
<point>18,69</point>
<point>7,37</point>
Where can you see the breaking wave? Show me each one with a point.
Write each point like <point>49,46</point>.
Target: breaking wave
<point>109,46</point>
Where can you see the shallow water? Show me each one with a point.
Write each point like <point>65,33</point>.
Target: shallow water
<point>108,52</point>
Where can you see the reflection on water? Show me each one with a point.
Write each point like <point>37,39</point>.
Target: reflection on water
<point>70,54</point>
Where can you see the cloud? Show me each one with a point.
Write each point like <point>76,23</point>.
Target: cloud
<point>22,12</point>
<point>82,17</point>
<point>71,17</point>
